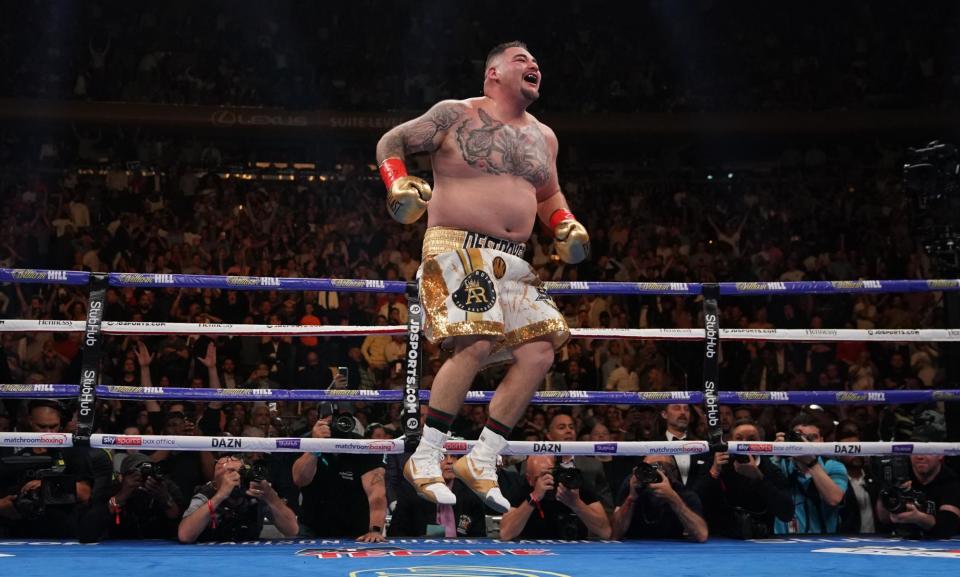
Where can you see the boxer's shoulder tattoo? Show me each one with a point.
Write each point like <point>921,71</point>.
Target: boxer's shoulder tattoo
<point>498,148</point>
<point>426,133</point>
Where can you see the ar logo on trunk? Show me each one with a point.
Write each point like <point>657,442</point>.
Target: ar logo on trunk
<point>476,293</point>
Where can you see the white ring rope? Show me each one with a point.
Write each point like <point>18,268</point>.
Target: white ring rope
<point>801,335</point>
<point>395,446</point>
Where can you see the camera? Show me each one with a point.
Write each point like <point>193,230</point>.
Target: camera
<point>748,525</point>
<point>569,477</point>
<point>344,426</point>
<point>895,500</point>
<point>147,470</point>
<point>56,488</point>
<point>252,473</point>
<point>891,471</point>
<point>794,437</point>
<point>738,458</point>
<point>647,474</point>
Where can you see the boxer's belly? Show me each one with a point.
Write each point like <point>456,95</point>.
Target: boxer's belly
<point>501,206</point>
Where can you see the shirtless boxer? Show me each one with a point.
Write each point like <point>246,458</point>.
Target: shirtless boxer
<point>494,170</point>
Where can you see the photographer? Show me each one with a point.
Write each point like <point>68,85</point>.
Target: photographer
<point>233,505</point>
<point>927,506</point>
<point>342,494</point>
<point>654,504</point>
<point>554,504</point>
<point>817,485</point>
<point>147,505</point>
<point>53,498</point>
<point>742,494</point>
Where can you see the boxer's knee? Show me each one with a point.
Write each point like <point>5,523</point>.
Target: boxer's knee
<point>475,348</point>
<point>535,357</point>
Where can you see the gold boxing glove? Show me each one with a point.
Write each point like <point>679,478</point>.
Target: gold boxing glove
<point>572,240</point>
<point>407,196</point>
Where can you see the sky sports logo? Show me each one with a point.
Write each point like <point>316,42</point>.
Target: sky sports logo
<point>127,441</point>
<point>288,443</point>
<point>755,448</point>
<point>608,448</point>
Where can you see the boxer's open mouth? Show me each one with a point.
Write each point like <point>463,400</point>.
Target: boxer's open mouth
<point>531,78</point>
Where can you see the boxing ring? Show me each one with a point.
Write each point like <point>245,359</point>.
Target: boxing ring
<point>461,557</point>
<point>486,558</point>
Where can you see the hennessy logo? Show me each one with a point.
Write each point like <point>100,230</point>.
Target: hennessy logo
<point>499,267</point>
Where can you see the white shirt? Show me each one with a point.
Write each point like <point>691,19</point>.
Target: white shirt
<point>864,503</point>
<point>683,461</point>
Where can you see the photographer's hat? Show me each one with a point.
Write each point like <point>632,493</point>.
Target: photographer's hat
<point>132,460</point>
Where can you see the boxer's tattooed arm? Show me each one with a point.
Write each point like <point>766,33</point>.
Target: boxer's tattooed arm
<point>498,148</point>
<point>424,134</point>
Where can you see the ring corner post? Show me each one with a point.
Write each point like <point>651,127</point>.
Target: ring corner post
<point>90,361</point>
<point>413,368</point>
<point>711,366</point>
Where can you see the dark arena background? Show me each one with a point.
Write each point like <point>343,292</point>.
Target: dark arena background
<point>199,270</point>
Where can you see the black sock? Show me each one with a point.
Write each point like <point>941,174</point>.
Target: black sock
<point>498,427</point>
<point>439,420</point>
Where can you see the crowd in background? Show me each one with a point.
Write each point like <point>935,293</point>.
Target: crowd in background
<point>701,56</point>
<point>801,222</point>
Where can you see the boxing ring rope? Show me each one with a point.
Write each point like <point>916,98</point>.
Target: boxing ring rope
<point>159,280</point>
<point>396,446</point>
<point>892,397</point>
<point>94,325</point>
<point>685,334</point>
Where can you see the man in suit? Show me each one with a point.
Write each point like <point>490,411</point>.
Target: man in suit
<point>415,517</point>
<point>676,423</point>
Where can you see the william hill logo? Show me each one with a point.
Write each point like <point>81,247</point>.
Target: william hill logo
<point>476,293</point>
<point>252,281</point>
<point>31,274</point>
<point>943,284</point>
<point>761,286</point>
<point>142,279</point>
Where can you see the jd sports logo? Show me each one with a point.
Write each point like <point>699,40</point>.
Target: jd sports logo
<point>476,293</point>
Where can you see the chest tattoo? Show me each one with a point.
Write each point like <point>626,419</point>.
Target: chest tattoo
<point>498,148</point>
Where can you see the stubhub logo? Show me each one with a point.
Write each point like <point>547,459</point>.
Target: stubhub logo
<point>605,447</point>
<point>902,449</point>
<point>288,443</point>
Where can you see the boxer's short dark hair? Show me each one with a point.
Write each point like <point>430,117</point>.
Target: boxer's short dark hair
<point>501,48</point>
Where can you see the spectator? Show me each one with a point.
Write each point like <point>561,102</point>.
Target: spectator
<point>416,517</point>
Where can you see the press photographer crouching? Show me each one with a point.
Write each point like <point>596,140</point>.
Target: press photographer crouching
<point>925,506</point>
<point>343,494</point>
<point>554,504</point>
<point>232,506</point>
<point>147,504</point>
<point>742,494</point>
<point>654,504</point>
<point>49,493</point>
